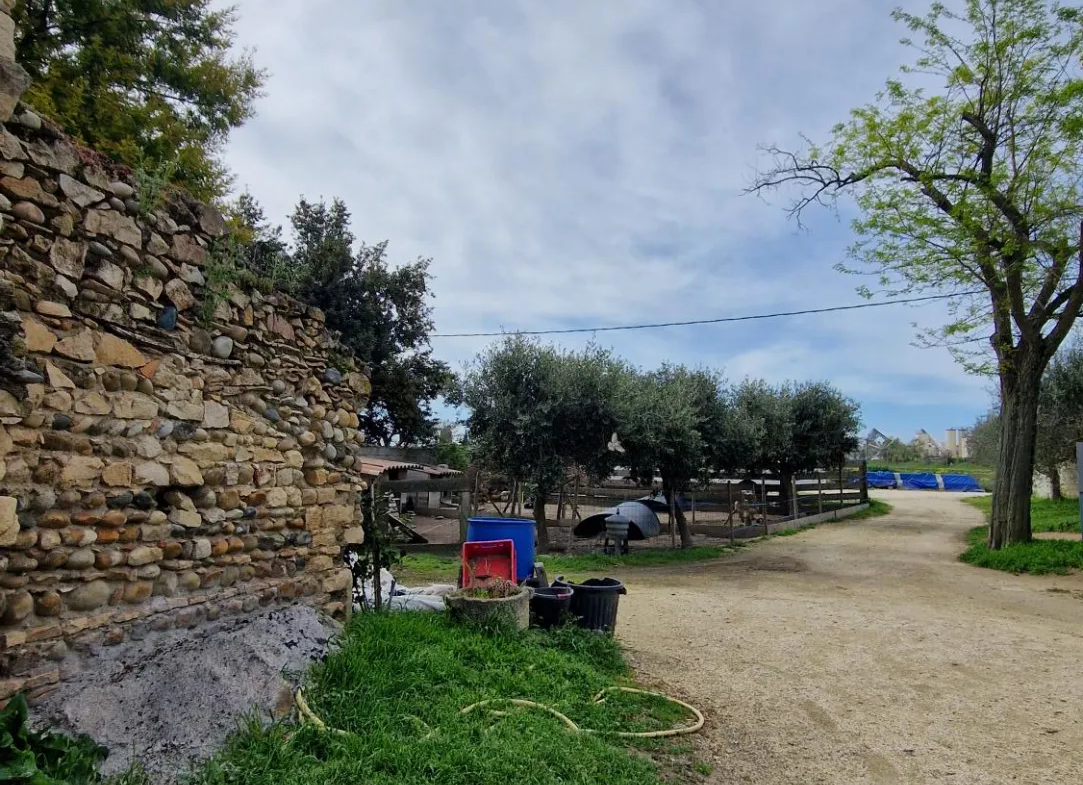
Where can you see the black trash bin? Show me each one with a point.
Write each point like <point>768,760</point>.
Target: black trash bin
<point>549,605</point>
<point>594,602</point>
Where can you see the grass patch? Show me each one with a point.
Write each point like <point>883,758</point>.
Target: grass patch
<point>1040,557</point>
<point>874,510</point>
<point>428,568</point>
<point>397,677</point>
<point>1046,515</point>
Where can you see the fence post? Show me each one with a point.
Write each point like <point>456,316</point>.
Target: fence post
<point>672,519</point>
<point>693,508</point>
<point>794,506</point>
<point>465,506</point>
<point>842,487</point>
<point>763,498</point>
<point>820,492</point>
<point>864,481</point>
<point>729,496</point>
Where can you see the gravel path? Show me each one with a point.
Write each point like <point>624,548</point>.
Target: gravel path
<point>866,653</point>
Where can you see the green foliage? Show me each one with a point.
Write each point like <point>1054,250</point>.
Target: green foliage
<point>535,410</point>
<point>1046,515</point>
<point>378,550</point>
<point>151,184</point>
<point>897,451</point>
<point>1060,415</point>
<point>670,419</point>
<point>398,683</point>
<point>984,439</point>
<point>967,172</point>
<point>222,269</point>
<point>454,454</point>
<point>152,83</point>
<point>1038,557</point>
<point>787,429</point>
<point>44,758</point>
<point>263,251</point>
<point>382,313</point>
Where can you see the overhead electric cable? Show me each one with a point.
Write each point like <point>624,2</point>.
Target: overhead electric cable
<point>720,320</point>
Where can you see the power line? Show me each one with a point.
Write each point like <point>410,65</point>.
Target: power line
<point>721,320</point>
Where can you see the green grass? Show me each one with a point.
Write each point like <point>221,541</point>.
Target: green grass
<point>875,509</point>
<point>1046,515</point>
<point>1040,557</point>
<point>398,676</point>
<point>444,569</point>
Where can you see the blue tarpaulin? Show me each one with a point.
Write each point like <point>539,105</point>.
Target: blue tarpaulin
<point>881,479</point>
<point>960,482</point>
<point>919,481</point>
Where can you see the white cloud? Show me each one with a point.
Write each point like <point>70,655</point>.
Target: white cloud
<point>569,163</point>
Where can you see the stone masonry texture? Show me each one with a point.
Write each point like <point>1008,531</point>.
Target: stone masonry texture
<point>164,461</point>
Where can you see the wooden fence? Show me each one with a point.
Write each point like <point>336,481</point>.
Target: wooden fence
<point>710,510</point>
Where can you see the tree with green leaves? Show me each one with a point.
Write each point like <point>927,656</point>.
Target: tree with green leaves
<point>895,451</point>
<point>536,410</point>
<point>155,84</point>
<point>983,439</point>
<point>670,421</point>
<point>787,429</point>
<point>382,312</point>
<point>967,173</point>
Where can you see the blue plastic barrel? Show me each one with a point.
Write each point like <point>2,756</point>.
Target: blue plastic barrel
<point>518,530</point>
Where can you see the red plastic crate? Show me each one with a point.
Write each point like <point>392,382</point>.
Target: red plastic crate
<point>486,562</point>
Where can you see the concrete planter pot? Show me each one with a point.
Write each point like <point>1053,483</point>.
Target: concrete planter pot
<point>513,611</point>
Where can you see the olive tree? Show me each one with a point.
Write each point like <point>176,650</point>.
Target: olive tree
<point>535,410</point>
<point>787,429</point>
<point>967,173</point>
<point>669,421</point>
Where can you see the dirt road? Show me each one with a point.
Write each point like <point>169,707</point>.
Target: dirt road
<point>866,653</point>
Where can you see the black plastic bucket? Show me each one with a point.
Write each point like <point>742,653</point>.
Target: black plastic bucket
<point>549,606</point>
<point>594,602</point>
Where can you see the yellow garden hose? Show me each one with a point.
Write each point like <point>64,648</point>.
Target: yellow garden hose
<point>310,716</point>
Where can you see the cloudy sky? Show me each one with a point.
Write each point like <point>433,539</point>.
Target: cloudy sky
<point>571,163</point>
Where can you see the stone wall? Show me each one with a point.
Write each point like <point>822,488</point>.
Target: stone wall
<point>173,447</point>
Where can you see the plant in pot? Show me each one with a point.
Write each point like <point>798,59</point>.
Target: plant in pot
<point>496,604</point>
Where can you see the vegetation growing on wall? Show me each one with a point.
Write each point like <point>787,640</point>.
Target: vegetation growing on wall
<point>382,312</point>
<point>156,85</point>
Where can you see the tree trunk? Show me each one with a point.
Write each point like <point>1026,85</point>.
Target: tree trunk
<point>678,513</point>
<point>1010,520</point>
<point>1053,472</point>
<point>540,495</point>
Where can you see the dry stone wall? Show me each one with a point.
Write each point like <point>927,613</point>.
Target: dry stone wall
<point>173,447</point>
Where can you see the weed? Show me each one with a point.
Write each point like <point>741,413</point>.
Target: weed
<point>703,769</point>
<point>151,185</point>
<point>396,674</point>
<point>222,269</point>
<point>44,758</point>
<point>875,509</point>
<point>1039,557</point>
<point>1046,515</point>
